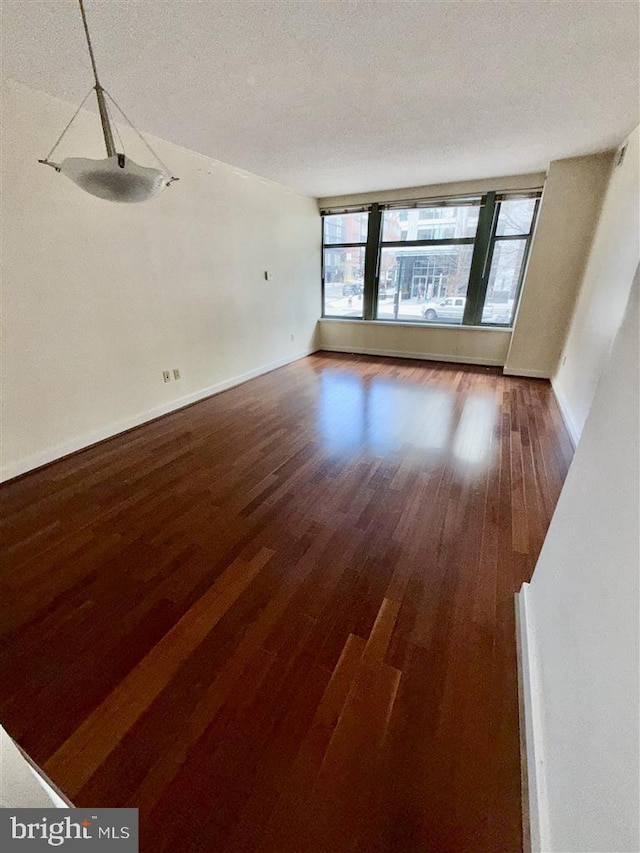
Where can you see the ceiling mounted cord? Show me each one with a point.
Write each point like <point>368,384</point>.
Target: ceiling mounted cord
<point>89,45</point>
<point>102,107</point>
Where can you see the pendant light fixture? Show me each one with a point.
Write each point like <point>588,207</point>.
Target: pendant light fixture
<point>117,177</point>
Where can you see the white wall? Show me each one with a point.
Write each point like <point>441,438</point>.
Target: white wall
<point>571,203</point>
<point>469,345</point>
<point>583,620</point>
<point>614,256</point>
<point>20,786</point>
<point>99,298</point>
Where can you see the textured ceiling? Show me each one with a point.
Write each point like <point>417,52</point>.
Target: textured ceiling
<point>346,96</point>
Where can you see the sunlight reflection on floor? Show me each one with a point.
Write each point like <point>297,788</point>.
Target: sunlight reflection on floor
<point>382,415</point>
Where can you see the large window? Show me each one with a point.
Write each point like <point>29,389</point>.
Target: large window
<point>457,262</point>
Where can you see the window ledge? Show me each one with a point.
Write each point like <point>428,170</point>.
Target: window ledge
<point>416,325</point>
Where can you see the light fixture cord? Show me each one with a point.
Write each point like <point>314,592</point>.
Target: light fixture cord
<point>102,107</point>
<point>59,139</point>
<point>89,45</point>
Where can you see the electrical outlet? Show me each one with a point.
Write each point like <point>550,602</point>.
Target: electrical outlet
<point>293,337</point>
<point>176,373</point>
<point>166,375</point>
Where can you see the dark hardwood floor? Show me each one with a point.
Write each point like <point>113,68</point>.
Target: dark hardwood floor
<point>282,619</point>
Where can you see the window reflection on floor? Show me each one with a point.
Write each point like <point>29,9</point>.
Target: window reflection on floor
<point>341,411</point>
<point>472,442</point>
<point>381,415</point>
<point>408,414</point>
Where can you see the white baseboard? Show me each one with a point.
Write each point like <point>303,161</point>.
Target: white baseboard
<point>528,374</point>
<point>565,411</point>
<point>535,811</point>
<point>454,359</point>
<point>51,454</point>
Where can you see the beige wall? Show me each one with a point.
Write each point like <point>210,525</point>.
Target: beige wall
<point>614,256</point>
<point>583,628</point>
<point>100,298</point>
<point>571,202</point>
<point>459,188</point>
<point>437,343</point>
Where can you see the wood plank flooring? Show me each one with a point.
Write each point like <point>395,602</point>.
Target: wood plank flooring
<point>282,620</point>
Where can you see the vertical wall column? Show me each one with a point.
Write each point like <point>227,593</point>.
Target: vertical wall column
<point>571,202</point>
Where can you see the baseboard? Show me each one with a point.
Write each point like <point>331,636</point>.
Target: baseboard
<point>565,411</point>
<point>52,454</point>
<point>391,353</point>
<point>534,795</point>
<point>527,374</point>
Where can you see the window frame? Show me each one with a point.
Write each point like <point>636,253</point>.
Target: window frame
<point>338,246</point>
<point>498,238</point>
<point>483,242</point>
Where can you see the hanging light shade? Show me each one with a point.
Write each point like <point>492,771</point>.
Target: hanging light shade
<point>117,177</point>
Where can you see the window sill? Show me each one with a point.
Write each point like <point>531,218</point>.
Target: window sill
<point>416,325</point>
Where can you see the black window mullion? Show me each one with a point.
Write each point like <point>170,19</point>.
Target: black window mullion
<point>322,265</point>
<point>344,245</point>
<point>446,241</point>
<point>371,256</point>
<point>487,222</point>
<point>505,237</point>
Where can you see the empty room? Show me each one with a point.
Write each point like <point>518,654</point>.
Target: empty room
<point>319,500</point>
